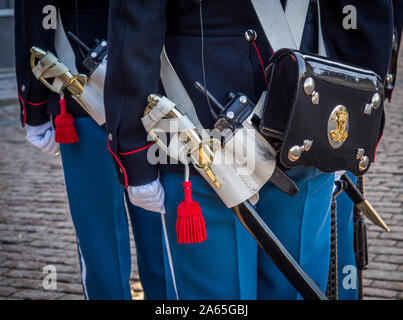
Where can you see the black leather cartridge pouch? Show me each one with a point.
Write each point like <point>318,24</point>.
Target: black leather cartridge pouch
<point>325,113</point>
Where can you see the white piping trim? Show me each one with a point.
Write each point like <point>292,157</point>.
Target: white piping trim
<point>83,271</point>
<point>169,254</point>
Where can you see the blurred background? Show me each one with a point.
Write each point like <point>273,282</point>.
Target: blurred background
<point>36,228</point>
<point>6,34</point>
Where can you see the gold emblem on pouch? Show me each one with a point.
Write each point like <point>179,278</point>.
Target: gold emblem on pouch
<point>338,126</point>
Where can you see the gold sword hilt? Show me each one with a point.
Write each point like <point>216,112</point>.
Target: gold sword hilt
<point>73,83</point>
<point>200,151</point>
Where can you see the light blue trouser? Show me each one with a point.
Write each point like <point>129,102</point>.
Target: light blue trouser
<point>223,266</point>
<point>99,216</point>
<point>347,287</point>
<point>302,224</point>
<point>229,265</point>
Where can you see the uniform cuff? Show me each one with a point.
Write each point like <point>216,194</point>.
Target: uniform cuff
<point>133,168</point>
<point>31,112</point>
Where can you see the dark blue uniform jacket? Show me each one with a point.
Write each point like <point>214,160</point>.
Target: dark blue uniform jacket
<point>398,18</point>
<point>139,29</point>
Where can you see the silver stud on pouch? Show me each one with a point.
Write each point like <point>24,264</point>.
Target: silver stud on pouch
<point>374,104</point>
<point>315,97</point>
<point>363,159</point>
<point>309,88</point>
<point>295,152</point>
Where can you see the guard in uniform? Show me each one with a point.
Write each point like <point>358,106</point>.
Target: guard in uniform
<point>96,199</point>
<point>205,42</point>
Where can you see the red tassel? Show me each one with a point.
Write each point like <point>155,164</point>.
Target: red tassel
<point>190,225</point>
<point>65,130</point>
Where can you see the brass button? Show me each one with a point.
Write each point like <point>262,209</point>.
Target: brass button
<point>22,88</point>
<point>110,136</point>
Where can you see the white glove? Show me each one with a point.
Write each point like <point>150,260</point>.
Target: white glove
<point>150,196</point>
<point>43,138</point>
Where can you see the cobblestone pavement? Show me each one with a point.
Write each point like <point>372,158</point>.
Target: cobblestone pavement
<point>35,224</point>
<point>36,228</point>
<point>384,186</point>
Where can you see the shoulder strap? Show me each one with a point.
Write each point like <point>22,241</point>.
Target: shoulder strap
<point>285,29</point>
<point>282,29</point>
<point>176,91</point>
<point>64,51</point>
<point>322,47</point>
<point>295,13</point>
<point>272,18</point>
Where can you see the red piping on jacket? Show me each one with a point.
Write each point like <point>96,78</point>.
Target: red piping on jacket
<point>23,106</point>
<point>373,159</point>
<point>37,104</point>
<point>391,94</point>
<point>120,164</point>
<point>137,150</point>
<point>261,62</point>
